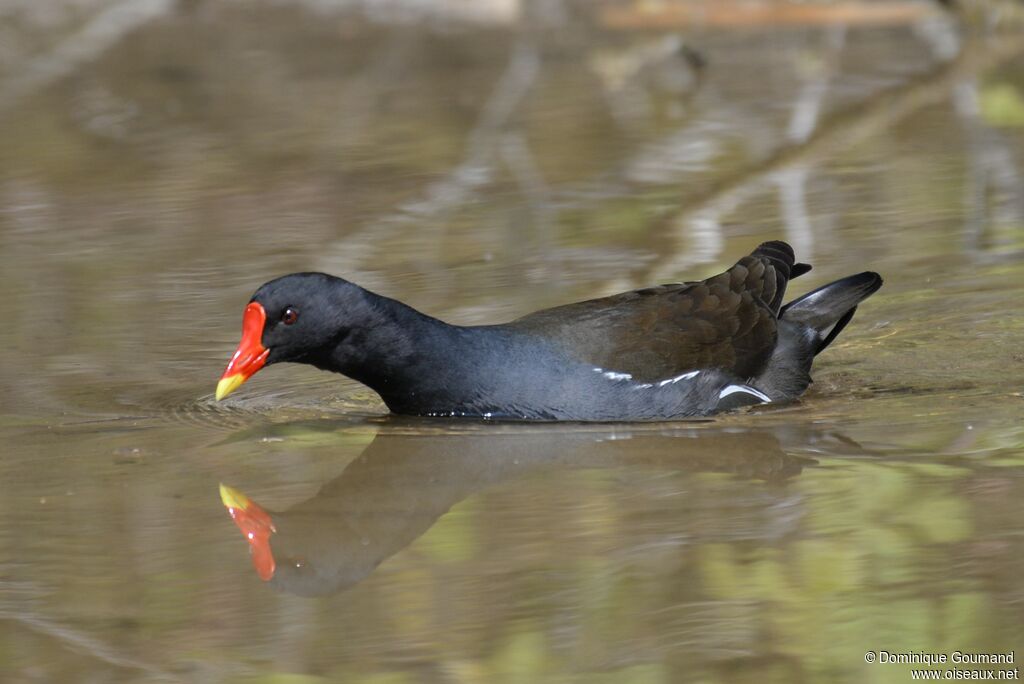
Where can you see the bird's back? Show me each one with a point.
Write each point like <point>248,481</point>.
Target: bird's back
<point>728,321</point>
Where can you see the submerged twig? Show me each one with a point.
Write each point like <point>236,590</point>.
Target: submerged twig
<point>85,644</point>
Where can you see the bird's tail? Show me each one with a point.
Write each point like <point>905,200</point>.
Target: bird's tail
<point>779,255</point>
<point>829,308</point>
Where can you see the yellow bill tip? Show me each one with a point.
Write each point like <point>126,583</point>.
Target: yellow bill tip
<point>228,385</point>
<point>232,498</point>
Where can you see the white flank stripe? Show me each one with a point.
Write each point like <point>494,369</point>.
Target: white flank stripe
<point>732,389</point>
<point>684,376</point>
<point>612,375</point>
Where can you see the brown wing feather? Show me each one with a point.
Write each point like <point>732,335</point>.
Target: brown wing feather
<point>659,332</point>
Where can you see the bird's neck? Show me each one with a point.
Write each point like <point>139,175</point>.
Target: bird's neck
<point>403,354</point>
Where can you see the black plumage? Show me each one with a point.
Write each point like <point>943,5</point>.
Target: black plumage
<point>670,351</point>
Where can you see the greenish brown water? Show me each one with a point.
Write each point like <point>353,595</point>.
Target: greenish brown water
<point>479,172</point>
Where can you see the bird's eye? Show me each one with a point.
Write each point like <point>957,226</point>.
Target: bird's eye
<point>289,316</point>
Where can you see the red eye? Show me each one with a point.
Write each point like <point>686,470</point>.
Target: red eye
<point>289,316</point>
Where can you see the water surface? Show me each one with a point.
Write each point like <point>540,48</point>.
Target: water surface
<point>480,171</point>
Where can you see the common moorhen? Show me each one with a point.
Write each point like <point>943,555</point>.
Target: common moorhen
<point>671,351</point>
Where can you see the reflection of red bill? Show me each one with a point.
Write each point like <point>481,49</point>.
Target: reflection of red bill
<point>256,525</point>
<point>250,355</point>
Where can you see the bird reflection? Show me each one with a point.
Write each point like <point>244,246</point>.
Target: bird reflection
<point>403,483</point>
